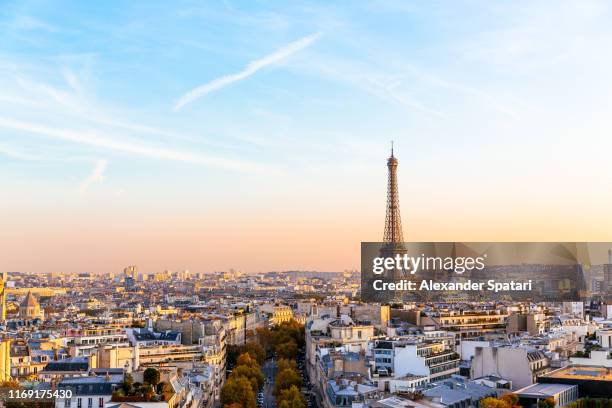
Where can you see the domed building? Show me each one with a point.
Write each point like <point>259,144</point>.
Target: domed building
<point>30,308</point>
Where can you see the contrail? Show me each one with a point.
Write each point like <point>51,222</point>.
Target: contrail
<point>251,68</point>
<point>135,148</point>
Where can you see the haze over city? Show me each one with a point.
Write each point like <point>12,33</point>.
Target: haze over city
<point>252,136</point>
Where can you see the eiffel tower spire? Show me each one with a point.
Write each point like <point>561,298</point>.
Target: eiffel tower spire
<point>393,222</point>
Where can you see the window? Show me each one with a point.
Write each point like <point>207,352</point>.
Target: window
<point>79,403</point>
<point>67,403</point>
<point>89,402</point>
<point>101,402</point>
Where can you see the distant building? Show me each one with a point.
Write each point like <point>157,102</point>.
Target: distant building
<point>574,308</point>
<point>532,323</point>
<point>277,313</point>
<point>30,308</point>
<point>131,271</point>
<point>607,282</point>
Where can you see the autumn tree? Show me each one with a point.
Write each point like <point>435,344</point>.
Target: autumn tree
<point>253,373</point>
<point>284,364</point>
<point>291,398</point>
<point>238,390</point>
<point>492,402</point>
<point>256,351</point>
<point>511,399</point>
<point>285,379</point>
<point>546,403</point>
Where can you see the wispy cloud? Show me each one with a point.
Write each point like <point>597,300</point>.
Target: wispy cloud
<point>14,154</point>
<point>251,68</point>
<point>136,148</point>
<point>96,176</point>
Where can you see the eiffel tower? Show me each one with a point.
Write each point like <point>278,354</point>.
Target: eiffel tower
<point>393,239</point>
<point>393,222</point>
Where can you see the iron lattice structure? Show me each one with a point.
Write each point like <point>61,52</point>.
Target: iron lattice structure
<point>393,222</point>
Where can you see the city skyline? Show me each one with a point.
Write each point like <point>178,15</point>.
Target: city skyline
<point>255,137</point>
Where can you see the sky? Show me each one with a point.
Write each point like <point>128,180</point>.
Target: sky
<point>254,135</point>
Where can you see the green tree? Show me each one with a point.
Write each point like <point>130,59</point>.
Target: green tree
<point>127,384</point>
<point>233,351</point>
<point>151,376</point>
<point>146,391</point>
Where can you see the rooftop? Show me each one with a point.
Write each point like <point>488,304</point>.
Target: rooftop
<point>543,390</point>
<point>582,373</point>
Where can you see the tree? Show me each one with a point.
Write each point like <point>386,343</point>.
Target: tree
<point>10,384</point>
<point>146,391</point>
<point>293,329</point>
<point>151,376</point>
<point>284,363</point>
<point>492,402</point>
<point>265,337</point>
<point>252,373</point>
<point>245,359</point>
<point>255,351</point>
<point>511,399</point>
<point>285,379</point>
<point>546,403</point>
<point>238,390</point>
<point>291,398</point>
<point>127,384</point>
<point>287,349</point>
<point>233,351</point>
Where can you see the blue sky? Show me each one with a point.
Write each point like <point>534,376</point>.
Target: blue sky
<point>134,112</point>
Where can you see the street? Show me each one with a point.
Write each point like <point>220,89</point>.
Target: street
<point>269,369</point>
